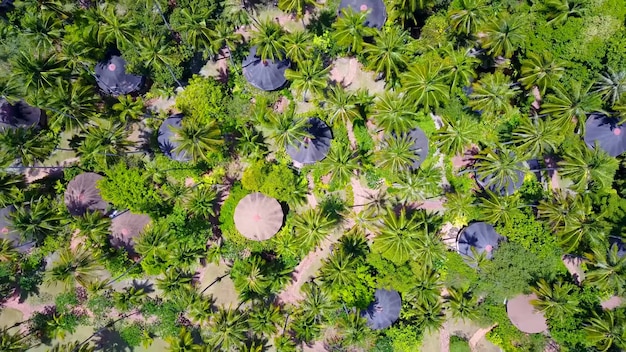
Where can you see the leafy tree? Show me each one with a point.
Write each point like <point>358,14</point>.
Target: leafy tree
<point>570,107</point>
<point>310,77</point>
<point>394,113</point>
<point>350,30</point>
<point>72,267</point>
<point>492,94</point>
<point>425,85</point>
<point>269,40</point>
<point>541,71</point>
<point>588,168</point>
<point>466,16</point>
<point>388,54</point>
<point>556,300</point>
<point>503,35</point>
<point>129,187</point>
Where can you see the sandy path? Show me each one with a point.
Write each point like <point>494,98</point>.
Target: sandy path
<point>473,342</point>
<point>444,338</point>
<point>351,136</point>
<point>27,309</point>
<point>33,175</point>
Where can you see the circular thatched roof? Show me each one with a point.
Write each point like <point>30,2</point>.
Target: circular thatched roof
<point>524,315</point>
<point>19,114</point>
<point>258,217</point>
<point>167,138</point>
<point>266,75</point>
<point>81,194</point>
<point>481,237</point>
<point>385,309</point>
<point>311,150</point>
<point>125,227</point>
<point>607,133</point>
<point>112,78</point>
<point>377,11</point>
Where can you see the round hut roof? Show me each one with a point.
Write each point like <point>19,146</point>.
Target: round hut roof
<point>258,217</point>
<point>480,236</point>
<point>82,195</point>
<point>266,75</point>
<point>167,138</point>
<point>112,78</point>
<point>377,12</point>
<point>18,115</point>
<point>385,309</point>
<point>524,315</point>
<point>125,227</point>
<point>9,234</point>
<point>606,133</point>
<point>311,150</point>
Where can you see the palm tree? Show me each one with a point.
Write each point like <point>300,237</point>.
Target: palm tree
<point>427,287</point>
<point>605,331</point>
<point>571,107</point>
<point>223,35</point>
<point>388,54</point>
<point>354,331</point>
<point>426,85</point>
<point>76,266</point>
<point>541,70</point>
<point>10,188</point>
<point>588,168</point>
<point>265,319</point>
<point>338,270</point>
<point>298,46</point>
<point>195,29</point>
<point>202,202</point>
<point>394,113</point>
<point>503,35</point>
<point>313,226</point>
<point>249,277</point>
<point>228,329</point>
<point>467,17</point>
<point>396,155</point>
<point>297,7</point>
<point>35,73</point>
<point>13,342</point>
<point>199,141</point>
<point>562,209</point>
<point>556,300</point>
<point>7,252</point>
<point>497,209</point>
<point>269,40</point>
<point>157,54</point>
<point>317,303</point>
<point>310,77</point>
<point>41,30</point>
<point>305,328</point>
<point>559,10</point>
<point>73,347</point>
<point>71,104</point>
<point>460,66</point>
<point>457,134</point>
<point>462,303</point>
<point>341,106</point>
<point>115,29</point>
<point>607,269</point>
<point>36,220</point>
<point>287,128</point>
<point>611,85</point>
<point>417,186</point>
<point>183,342</point>
<point>128,109</point>
<point>174,281</point>
<point>537,137</point>
<point>250,143</point>
<point>429,316</point>
<point>406,10</point>
<point>94,228</point>
<point>499,166</point>
<point>460,206</point>
<point>201,308</point>
<point>351,31</point>
<point>399,236</point>
<point>104,141</point>
<point>492,94</point>
<point>341,163</point>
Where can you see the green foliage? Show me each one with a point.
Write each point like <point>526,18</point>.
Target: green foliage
<point>276,180</point>
<point>132,334</point>
<point>129,188</point>
<point>459,344</point>
<point>203,100</point>
<point>227,213</point>
<point>531,234</point>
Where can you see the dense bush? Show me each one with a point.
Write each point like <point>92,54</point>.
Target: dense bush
<point>129,188</point>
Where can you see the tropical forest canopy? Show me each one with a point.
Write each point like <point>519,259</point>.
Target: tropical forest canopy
<point>461,154</point>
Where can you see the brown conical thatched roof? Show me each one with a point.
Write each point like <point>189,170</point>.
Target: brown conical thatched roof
<point>525,316</point>
<point>258,217</point>
<point>125,227</point>
<point>81,194</point>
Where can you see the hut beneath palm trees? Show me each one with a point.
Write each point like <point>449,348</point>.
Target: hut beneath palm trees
<point>524,315</point>
<point>606,133</point>
<point>82,195</point>
<point>19,114</point>
<point>258,217</point>
<point>384,310</point>
<point>502,175</point>
<point>376,10</point>
<point>125,227</point>
<point>478,238</point>
<point>168,140</point>
<point>312,149</point>
<point>419,146</point>
<point>7,233</point>
<point>267,75</point>
<point>112,78</point>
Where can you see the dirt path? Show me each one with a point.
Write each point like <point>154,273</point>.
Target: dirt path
<point>444,338</point>
<point>473,342</point>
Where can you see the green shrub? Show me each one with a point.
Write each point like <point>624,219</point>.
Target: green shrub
<point>227,213</point>
<point>202,100</point>
<point>364,141</point>
<point>129,188</point>
<point>132,334</point>
<point>274,180</point>
<point>459,344</point>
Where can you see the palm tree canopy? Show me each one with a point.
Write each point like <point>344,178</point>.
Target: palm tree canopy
<point>376,10</point>
<point>384,310</point>
<point>9,234</point>
<point>112,78</point>
<point>267,75</point>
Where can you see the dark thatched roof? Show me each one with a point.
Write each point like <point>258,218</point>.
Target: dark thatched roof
<point>266,75</point>
<point>385,309</point>
<point>377,11</point>
<point>606,133</point>
<point>82,195</point>
<point>481,237</point>
<point>314,149</point>
<point>112,77</point>
<point>19,114</point>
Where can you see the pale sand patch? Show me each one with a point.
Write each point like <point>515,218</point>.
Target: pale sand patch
<point>223,291</point>
<point>350,74</point>
<point>33,175</point>
<point>536,104</point>
<point>218,68</point>
<point>281,105</point>
<point>611,303</point>
<point>10,316</point>
<point>162,104</point>
<point>478,336</point>
<point>574,266</point>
